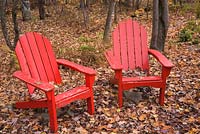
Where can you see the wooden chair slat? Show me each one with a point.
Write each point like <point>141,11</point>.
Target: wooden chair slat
<point>137,44</point>
<point>116,49</point>
<point>44,57</point>
<point>29,57</point>
<point>23,64</point>
<point>130,44</point>
<point>52,60</point>
<point>145,60</point>
<point>34,48</point>
<point>123,45</point>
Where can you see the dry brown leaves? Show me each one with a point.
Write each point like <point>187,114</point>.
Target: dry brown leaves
<point>180,114</point>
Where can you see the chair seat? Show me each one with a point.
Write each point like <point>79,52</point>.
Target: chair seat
<point>139,78</point>
<point>68,96</point>
<point>131,82</point>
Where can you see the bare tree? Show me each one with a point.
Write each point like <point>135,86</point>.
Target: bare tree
<point>137,4</point>
<point>15,23</point>
<point>85,12</point>
<point>4,24</point>
<point>160,24</point>
<point>41,9</point>
<point>26,10</point>
<point>109,20</point>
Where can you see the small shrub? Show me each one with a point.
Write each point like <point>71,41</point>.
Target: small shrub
<point>84,39</point>
<point>191,32</point>
<point>86,48</point>
<point>187,7</point>
<point>185,35</point>
<point>193,26</point>
<point>88,55</point>
<point>198,10</point>
<point>196,41</point>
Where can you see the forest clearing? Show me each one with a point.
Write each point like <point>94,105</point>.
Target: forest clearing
<point>73,40</point>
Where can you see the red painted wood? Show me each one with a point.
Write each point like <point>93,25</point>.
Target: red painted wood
<point>39,68</point>
<point>52,59</point>
<point>44,86</point>
<point>32,104</point>
<point>123,45</point>
<point>161,58</point>
<point>44,57</point>
<point>23,64</point>
<point>33,45</point>
<point>145,60</point>
<point>130,44</point>
<point>81,92</point>
<point>112,60</point>
<point>137,44</point>
<point>116,47</point>
<point>130,50</point>
<point>29,57</point>
<point>76,67</point>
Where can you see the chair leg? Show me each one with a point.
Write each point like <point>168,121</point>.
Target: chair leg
<point>120,96</point>
<point>90,105</point>
<point>52,113</point>
<point>162,95</point>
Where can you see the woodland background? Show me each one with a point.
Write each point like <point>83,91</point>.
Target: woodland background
<point>77,34</point>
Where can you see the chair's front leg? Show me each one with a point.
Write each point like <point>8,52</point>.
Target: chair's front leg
<point>52,111</point>
<point>118,76</point>
<point>162,94</point>
<point>90,101</point>
<point>165,74</point>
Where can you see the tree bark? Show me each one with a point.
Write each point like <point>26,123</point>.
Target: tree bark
<point>85,12</point>
<point>26,10</point>
<point>137,4</point>
<point>160,24</point>
<point>109,21</point>
<point>15,23</point>
<point>3,24</point>
<point>130,3</point>
<point>41,9</point>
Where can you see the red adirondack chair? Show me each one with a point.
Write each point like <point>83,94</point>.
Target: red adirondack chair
<point>129,52</point>
<point>39,69</point>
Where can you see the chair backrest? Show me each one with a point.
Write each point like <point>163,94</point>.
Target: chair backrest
<point>130,45</point>
<point>36,58</point>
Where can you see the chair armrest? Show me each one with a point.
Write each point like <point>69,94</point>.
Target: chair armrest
<point>44,86</point>
<point>112,61</point>
<point>77,67</point>
<point>161,58</point>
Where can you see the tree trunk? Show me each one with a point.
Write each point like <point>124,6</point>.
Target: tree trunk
<point>137,4</point>
<point>109,21</point>
<point>87,4</point>
<point>15,23</point>
<point>175,2</point>
<point>3,24</point>
<point>85,12</point>
<point>160,24</point>
<point>130,3</point>
<point>26,10</point>
<point>41,9</point>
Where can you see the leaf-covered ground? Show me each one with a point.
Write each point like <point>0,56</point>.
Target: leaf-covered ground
<point>71,40</point>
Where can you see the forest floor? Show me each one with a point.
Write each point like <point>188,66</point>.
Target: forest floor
<point>71,40</point>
